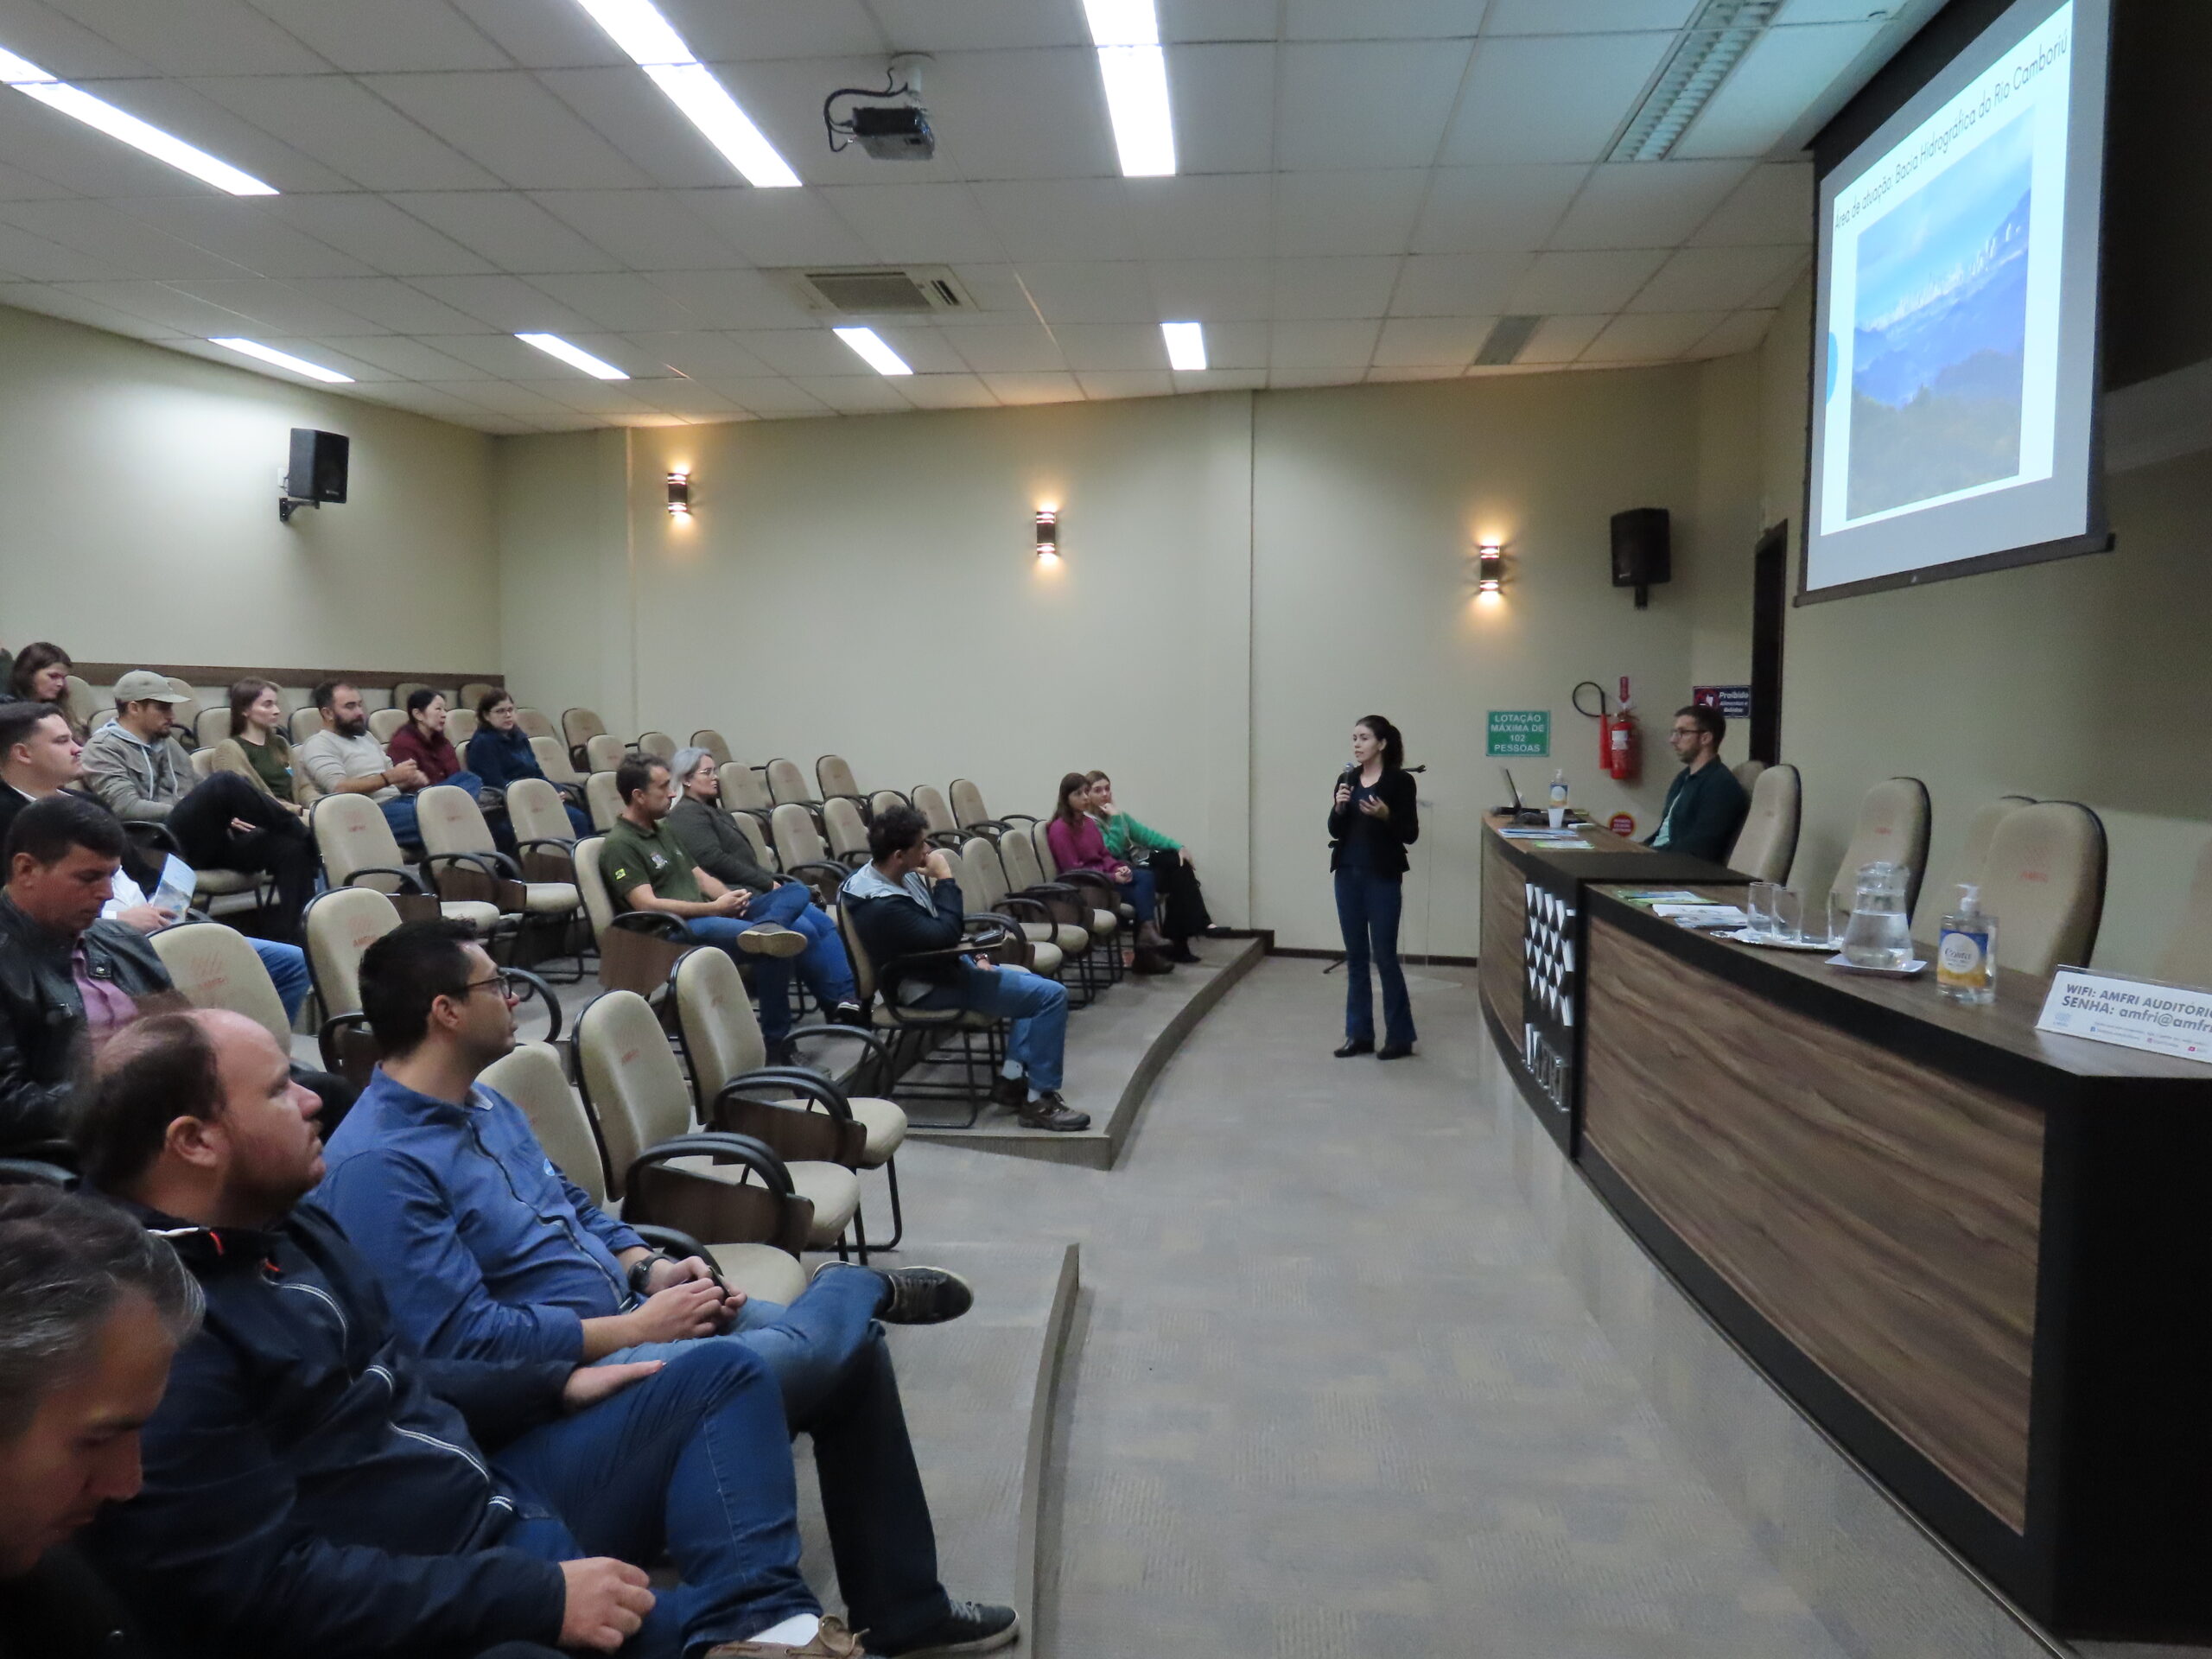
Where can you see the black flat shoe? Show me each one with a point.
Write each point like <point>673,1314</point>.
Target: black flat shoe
<point>1356,1046</point>
<point>1393,1051</point>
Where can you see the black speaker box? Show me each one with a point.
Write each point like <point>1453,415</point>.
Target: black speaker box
<point>1642,554</point>
<point>319,461</point>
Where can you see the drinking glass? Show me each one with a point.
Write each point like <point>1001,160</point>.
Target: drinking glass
<point>1789,915</point>
<point>1839,919</point>
<point>1762,909</point>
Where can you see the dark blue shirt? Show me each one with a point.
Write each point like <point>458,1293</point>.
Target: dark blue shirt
<point>500,758</point>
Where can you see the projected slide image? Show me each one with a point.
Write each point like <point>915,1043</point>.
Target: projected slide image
<point>1940,332</point>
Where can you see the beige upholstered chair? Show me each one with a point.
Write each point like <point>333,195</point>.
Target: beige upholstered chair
<point>461,726</point>
<point>544,837</point>
<point>750,825</point>
<point>1981,830</point>
<point>987,888</point>
<point>603,752</point>
<point>463,860</point>
<point>2046,886</point>
<point>883,800</point>
<point>2188,960</point>
<point>404,689</point>
<point>929,801</point>
<point>844,829</point>
<point>213,966</point>
<point>602,801</point>
<point>210,727</point>
<point>1767,844</point>
<point>553,760</point>
<point>531,1077</point>
<point>976,1041</point>
<point>647,973</point>
<point>305,723</point>
<point>1893,829</point>
<point>745,789</point>
<point>384,723</point>
<point>101,716</point>
<point>635,1087</point>
<point>78,701</point>
<point>787,783</point>
<point>799,852</point>
<point>968,807</point>
<point>203,764</point>
<point>186,712</point>
<point>1027,876</point>
<point>578,728</point>
<point>472,693</point>
<point>798,1111</point>
<point>836,779</point>
<point>359,850</point>
<point>714,743</point>
<point>659,746</point>
<point>536,723</point>
<point>340,925</point>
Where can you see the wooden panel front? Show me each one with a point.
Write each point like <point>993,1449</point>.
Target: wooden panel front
<point>1882,1216</point>
<point>1505,908</point>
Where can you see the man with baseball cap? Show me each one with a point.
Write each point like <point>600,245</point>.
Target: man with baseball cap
<point>136,766</point>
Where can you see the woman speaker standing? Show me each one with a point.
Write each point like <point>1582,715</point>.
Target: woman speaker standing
<point>1372,820</point>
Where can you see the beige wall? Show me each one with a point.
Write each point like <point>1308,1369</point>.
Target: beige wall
<point>140,526</point>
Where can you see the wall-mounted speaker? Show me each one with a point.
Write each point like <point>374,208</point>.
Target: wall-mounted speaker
<point>319,464</point>
<point>1641,551</point>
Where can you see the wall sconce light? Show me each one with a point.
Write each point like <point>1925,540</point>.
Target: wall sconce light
<point>1490,558</point>
<point>1048,535</point>
<point>679,495</point>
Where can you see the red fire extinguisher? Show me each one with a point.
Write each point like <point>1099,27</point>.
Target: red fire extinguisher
<point>1618,750</point>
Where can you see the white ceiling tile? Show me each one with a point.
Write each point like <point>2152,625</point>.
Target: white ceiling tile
<point>1743,331</point>
<point>1220,216</point>
<point>1550,98</point>
<point>1211,290</point>
<point>690,399</point>
<point>338,354</point>
<point>377,234</point>
<point>73,157</point>
<point>1333,287</point>
<point>507,228</point>
<point>1651,337</point>
<point>918,223</point>
<point>995,288</point>
<point>1053,127</point>
<point>1342,343</point>
<point>37,259</point>
<point>247,233</point>
<point>179,107</point>
<point>360,37</point>
<point>1699,279</point>
<point>503,356</point>
<point>278,307</point>
<point>1583,281</point>
<point>778,227</point>
<point>409,359</point>
<point>1253,380</point>
<point>196,37</point>
<point>647,230</point>
<point>1383,373</point>
<point>1458,284</point>
<point>1102,291</point>
<point>734,299</point>
<point>620,301</point>
<point>17,185</point>
<point>815,351</point>
<point>503,303</point>
<point>948,392</point>
<point>1777,291</point>
<point>1074,219</point>
<point>1780,77</point>
<point>926,348</point>
<point>440,404</point>
<point>531,401</point>
<point>1646,204</point>
<point>980,25</point>
<point>1037,388</point>
<point>1560,339</point>
<point>541,36</point>
<point>1450,341</point>
<point>1091,347</point>
<point>1233,345</point>
<point>1509,206</point>
<point>1382,104</point>
<point>999,349</point>
<point>1216,20</point>
<point>157,302</point>
<point>1381,20</point>
<point>127,246</point>
<point>1369,212</point>
<point>510,125</point>
<point>1773,204</point>
<point>1298,379</point>
<point>624,107</point>
<point>758,29</point>
<point>349,130</point>
<point>81,307</point>
<point>770,396</point>
<point>1223,102</point>
<point>856,394</point>
<point>1586,16</point>
<point>62,46</point>
<point>1125,383</point>
<point>700,353</point>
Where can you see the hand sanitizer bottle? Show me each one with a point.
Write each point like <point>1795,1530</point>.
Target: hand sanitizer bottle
<point>1559,798</point>
<point>1966,951</point>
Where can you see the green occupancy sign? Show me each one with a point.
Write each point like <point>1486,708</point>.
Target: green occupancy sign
<point>1520,731</point>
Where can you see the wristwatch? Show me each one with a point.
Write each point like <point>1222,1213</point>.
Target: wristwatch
<point>641,1272</point>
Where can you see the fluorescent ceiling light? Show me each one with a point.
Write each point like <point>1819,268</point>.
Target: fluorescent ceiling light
<point>651,42</point>
<point>574,356</point>
<point>1186,343</point>
<point>1715,42</point>
<point>32,81</point>
<point>870,346</point>
<point>284,361</point>
<point>1134,70</point>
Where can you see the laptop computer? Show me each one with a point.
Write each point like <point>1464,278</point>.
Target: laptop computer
<point>1521,812</point>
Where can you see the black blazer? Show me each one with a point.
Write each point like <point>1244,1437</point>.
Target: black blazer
<point>1389,836</point>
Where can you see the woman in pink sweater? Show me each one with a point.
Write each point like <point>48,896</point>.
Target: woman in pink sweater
<point>1079,844</point>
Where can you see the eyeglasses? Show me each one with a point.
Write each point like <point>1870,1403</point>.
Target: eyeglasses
<point>506,984</point>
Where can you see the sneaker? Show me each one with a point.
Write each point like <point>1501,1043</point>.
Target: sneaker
<point>848,1014</point>
<point>969,1627</point>
<point>769,940</point>
<point>922,1296</point>
<point>833,1641</point>
<point>1049,1111</point>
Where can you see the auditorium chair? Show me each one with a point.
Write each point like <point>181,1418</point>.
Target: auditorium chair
<point>1767,845</point>
<point>757,1229</point>
<point>835,778</point>
<point>787,784</point>
<point>967,809</point>
<point>359,850</point>
<point>657,746</point>
<point>979,1039</point>
<point>406,688</point>
<point>603,752</point>
<point>1031,855</point>
<point>1747,773</point>
<point>463,862</point>
<point>210,727</point>
<point>2046,886</point>
<point>646,944</point>
<point>101,716</point>
<point>213,966</point>
<point>797,1111</point>
<point>473,693</point>
<point>214,892</point>
<point>744,789</point>
<point>384,723</point>
<point>535,723</point>
<point>602,800</point>
<point>714,743</point>
<point>1053,943</point>
<point>1892,828</point>
<point>186,715</point>
<point>1981,830</point>
<point>203,765</point>
<point>78,702</point>
<point>461,726</point>
<point>845,831</point>
<point>2188,960</point>
<point>750,826</point>
<point>883,800</point>
<point>578,728</point>
<point>339,925</point>
<point>553,761</point>
<point>799,853</point>
<point>943,828</point>
<point>544,838</point>
<point>304,724</point>
<point>635,1089</point>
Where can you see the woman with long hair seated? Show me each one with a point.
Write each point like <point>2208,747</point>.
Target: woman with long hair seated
<point>1079,844</point>
<point>40,674</point>
<point>1175,878</point>
<point>258,748</point>
<point>423,740</point>
<point>499,754</point>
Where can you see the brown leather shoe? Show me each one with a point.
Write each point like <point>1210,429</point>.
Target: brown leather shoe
<point>1146,960</point>
<point>832,1641</point>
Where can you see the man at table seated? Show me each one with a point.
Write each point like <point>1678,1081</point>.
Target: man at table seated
<point>1706,806</point>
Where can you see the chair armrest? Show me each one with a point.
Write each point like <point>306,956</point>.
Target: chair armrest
<point>652,921</point>
<point>492,865</point>
<point>413,883</point>
<point>948,839</point>
<point>27,1171</point>
<point>722,1147</point>
<point>326,1038</point>
<point>557,843</point>
<point>1004,926</point>
<point>812,1085</point>
<point>800,869</point>
<point>669,1240</point>
<point>875,1046</point>
<point>1093,878</point>
<point>991,827</point>
<point>147,830</point>
<point>1026,817</point>
<point>1017,903</point>
<point>545,995</point>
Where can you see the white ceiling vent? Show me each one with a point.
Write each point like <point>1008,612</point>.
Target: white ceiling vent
<point>879,290</point>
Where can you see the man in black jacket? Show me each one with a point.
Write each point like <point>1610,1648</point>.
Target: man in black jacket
<point>906,908</point>
<point>1706,806</point>
<point>315,1486</point>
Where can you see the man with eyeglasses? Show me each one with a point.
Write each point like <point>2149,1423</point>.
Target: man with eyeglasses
<point>1706,806</point>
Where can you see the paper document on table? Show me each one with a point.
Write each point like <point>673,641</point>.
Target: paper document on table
<point>1702,915</point>
<point>1652,896</point>
<point>1546,837</point>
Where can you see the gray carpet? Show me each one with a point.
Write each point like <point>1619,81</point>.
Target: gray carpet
<point>1325,1396</point>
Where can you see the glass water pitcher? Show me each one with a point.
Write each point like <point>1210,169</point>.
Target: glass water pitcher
<point>1880,933</point>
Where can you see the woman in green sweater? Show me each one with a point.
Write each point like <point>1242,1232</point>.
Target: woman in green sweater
<point>1182,904</point>
<point>257,747</point>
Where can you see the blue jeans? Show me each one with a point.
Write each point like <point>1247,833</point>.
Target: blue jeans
<point>1137,891</point>
<point>828,1353</point>
<point>693,1460</point>
<point>1367,910</point>
<point>822,964</point>
<point>1038,1007</point>
<point>399,813</point>
<point>287,972</point>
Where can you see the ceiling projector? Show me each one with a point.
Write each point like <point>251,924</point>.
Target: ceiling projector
<point>889,133</point>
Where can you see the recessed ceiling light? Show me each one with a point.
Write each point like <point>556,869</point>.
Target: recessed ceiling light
<point>869,344</point>
<point>653,45</point>
<point>32,81</point>
<point>1186,343</point>
<point>1135,69</point>
<point>575,356</point>
<point>284,361</point>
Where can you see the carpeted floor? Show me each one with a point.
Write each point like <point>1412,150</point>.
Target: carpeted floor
<point>1326,1398</point>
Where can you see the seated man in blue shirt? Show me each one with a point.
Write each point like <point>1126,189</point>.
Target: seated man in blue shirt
<point>1706,806</point>
<point>488,1252</point>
